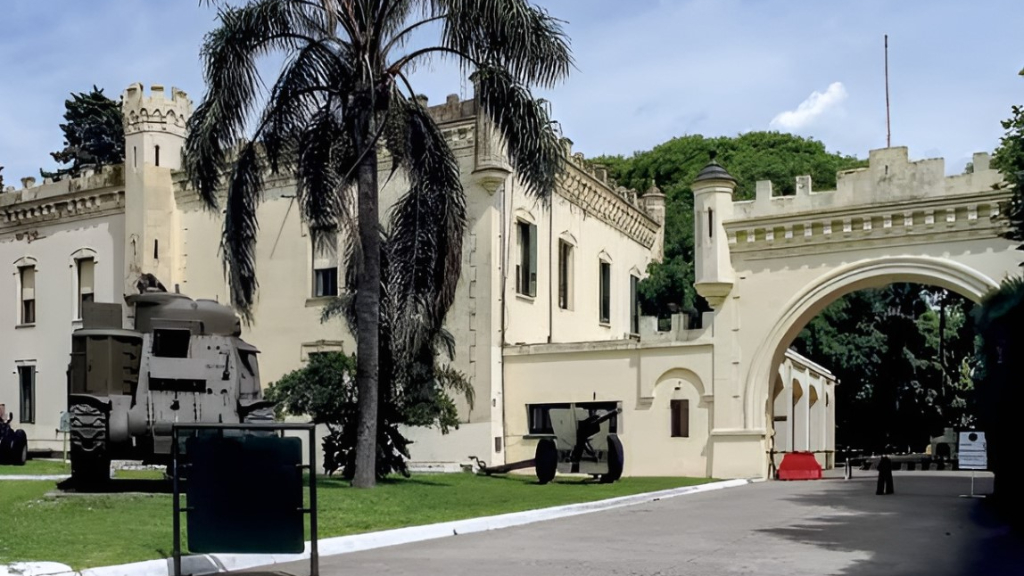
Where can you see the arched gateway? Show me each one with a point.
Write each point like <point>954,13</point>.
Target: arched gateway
<point>769,265</point>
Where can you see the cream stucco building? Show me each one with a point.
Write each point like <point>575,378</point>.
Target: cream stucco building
<point>545,313</point>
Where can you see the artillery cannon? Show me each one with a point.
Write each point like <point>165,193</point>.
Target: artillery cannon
<point>582,445</point>
<point>13,443</point>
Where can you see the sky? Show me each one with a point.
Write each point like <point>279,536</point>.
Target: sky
<point>646,70</point>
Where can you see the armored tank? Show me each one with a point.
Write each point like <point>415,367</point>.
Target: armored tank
<point>182,361</point>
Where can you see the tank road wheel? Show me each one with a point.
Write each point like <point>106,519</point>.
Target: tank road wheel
<point>546,460</point>
<point>90,455</point>
<point>616,460</point>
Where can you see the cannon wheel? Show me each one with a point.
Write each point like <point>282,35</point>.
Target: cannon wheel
<point>616,460</point>
<point>546,460</point>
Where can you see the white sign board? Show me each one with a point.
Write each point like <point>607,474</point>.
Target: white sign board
<point>973,451</point>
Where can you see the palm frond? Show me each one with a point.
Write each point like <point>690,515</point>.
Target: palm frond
<point>323,172</point>
<point>229,57</point>
<point>510,34</point>
<point>238,243</point>
<point>319,72</point>
<point>533,146</point>
<point>427,224</point>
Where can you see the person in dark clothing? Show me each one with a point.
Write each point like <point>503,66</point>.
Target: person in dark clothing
<point>884,477</point>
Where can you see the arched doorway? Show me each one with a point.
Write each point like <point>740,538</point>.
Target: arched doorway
<point>873,273</point>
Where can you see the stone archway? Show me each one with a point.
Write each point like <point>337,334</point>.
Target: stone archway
<point>843,280</point>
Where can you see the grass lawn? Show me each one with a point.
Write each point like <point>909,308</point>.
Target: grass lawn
<point>89,531</point>
<point>36,468</point>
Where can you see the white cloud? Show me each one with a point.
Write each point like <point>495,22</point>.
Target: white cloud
<point>810,109</point>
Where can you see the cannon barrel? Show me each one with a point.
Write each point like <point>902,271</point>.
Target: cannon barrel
<point>597,419</point>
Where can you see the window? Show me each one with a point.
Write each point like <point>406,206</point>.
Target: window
<point>171,343</point>
<point>526,270</point>
<point>634,304</point>
<point>564,275</point>
<point>156,151</point>
<point>539,415</point>
<point>27,277</point>
<point>605,288</point>
<point>27,389</point>
<point>680,418</point>
<point>86,277</point>
<point>325,267</point>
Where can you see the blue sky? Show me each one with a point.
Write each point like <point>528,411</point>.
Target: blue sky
<point>646,73</point>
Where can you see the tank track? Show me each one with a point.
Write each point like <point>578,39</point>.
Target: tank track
<point>90,455</point>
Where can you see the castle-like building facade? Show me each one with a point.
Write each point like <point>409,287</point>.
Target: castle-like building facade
<point>546,311</point>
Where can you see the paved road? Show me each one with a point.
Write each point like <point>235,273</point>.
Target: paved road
<point>773,528</point>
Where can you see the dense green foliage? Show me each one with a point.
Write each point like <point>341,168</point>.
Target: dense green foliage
<point>93,134</point>
<point>672,166</point>
<point>999,320</point>
<point>1009,159</point>
<point>325,390</point>
<point>896,388</point>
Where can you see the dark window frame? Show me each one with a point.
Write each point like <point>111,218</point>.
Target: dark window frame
<point>604,282</point>
<point>680,416</point>
<point>526,269</point>
<point>565,254</point>
<point>634,304</point>
<point>325,282</point>
<point>27,308</point>
<point>27,394</point>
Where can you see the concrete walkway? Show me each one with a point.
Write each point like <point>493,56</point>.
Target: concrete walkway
<point>773,528</point>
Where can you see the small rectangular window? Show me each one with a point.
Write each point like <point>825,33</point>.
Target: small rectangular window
<point>680,418</point>
<point>325,267</point>
<point>171,343</point>
<point>27,276</point>
<point>156,153</point>
<point>564,275</point>
<point>634,304</point>
<point>86,280</point>
<point>526,269</point>
<point>27,390</point>
<point>605,288</point>
<point>711,223</point>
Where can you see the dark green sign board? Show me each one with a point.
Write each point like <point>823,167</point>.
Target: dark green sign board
<point>245,494</point>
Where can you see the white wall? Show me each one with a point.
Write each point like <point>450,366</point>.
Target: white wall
<point>47,344</point>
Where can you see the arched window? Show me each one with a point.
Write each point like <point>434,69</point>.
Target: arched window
<point>26,269</point>
<point>83,269</point>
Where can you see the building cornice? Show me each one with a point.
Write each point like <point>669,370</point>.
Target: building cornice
<point>928,220</point>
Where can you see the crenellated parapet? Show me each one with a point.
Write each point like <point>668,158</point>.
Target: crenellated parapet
<point>891,198</point>
<point>91,195</point>
<point>155,112</point>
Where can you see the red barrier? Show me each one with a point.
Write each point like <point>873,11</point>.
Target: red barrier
<point>799,466</point>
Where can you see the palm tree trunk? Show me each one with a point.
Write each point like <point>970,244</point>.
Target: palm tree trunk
<point>367,308</point>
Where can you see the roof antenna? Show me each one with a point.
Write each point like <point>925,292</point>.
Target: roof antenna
<point>888,129</point>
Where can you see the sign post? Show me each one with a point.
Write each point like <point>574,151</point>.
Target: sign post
<point>973,456</point>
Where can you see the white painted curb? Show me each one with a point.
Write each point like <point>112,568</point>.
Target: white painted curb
<point>213,563</point>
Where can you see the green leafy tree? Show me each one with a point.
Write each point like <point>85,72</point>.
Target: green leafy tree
<point>325,390</point>
<point>1000,395</point>
<point>672,166</point>
<point>903,355</point>
<point>344,90</point>
<point>93,134</point>
<point>1009,159</point>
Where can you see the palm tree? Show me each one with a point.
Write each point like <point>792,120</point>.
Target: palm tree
<point>343,93</point>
